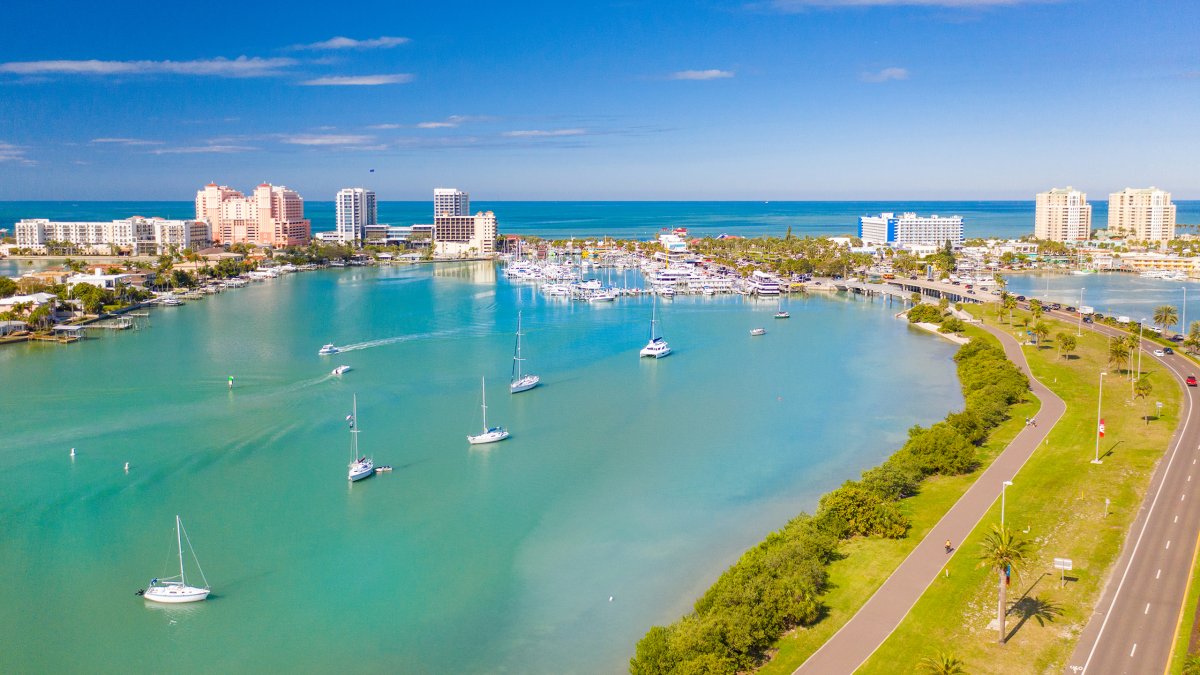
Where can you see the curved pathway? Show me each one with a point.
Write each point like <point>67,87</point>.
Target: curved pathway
<point>866,630</point>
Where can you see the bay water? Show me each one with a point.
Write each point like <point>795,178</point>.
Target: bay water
<point>627,486</point>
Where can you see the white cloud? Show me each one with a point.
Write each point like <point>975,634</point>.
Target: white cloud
<point>126,141</point>
<point>201,149</point>
<point>359,80</point>
<point>885,75</point>
<point>327,139</point>
<point>544,133</point>
<point>15,154</point>
<point>350,43</point>
<point>800,5</point>
<point>386,126</point>
<point>711,74</point>
<point>242,66</point>
<point>452,122</point>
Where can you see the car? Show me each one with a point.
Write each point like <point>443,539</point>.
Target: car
<point>1087,319</point>
<point>1020,298</point>
<point>954,283</point>
<point>1069,309</point>
<point>1098,315</point>
<point>1168,351</point>
<point>1176,338</point>
<point>1159,352</point>
<point>1056,306</point>
<point>970,292</point>
<point>1191,380</point>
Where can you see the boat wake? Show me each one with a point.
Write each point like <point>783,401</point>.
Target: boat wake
<point>393,340</point>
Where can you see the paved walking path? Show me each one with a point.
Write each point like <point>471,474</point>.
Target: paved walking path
<point>875,621</point>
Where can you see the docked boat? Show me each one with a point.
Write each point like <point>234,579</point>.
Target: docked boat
<point>657,347</point>
<point>169,301</point>
<point>520,382</point>
<point>341,370</point>
<point>327,350</point>
<point>490,434</point>
<point>758,331</point>
<point>361,466</point>
<point>175,590</point>
<point>602,296</point>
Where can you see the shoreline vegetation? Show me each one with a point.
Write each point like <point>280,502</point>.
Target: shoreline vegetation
<point>781,584</point>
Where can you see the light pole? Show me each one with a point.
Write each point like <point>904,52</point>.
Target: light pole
<point>1079,333</point>
<point>1099,420</point>
<point>1183,328</point>
<point>1003,487</point>
<point>1138,375</point>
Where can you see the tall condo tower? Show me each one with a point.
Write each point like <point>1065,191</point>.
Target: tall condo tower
<point>1062,214</point>
<point>355,210</point>
<point>1146,214</point>
<point>451,202</point>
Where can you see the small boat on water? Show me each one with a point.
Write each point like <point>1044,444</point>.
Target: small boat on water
<point>327,350</point>
<point>781,313</point>
<point>363,466</point>
<point>340,370</point>
<point>490,434</point>
<point>175,590</point>
<point>169,301</point>
<point>758,331</point>
<point>657,347</point>
<point>520,382</point>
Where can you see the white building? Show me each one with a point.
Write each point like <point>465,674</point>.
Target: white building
<point>456,236</point>
<point>1062,214</point>
<point>356,209</point>
<point>909,228</point>
<point>137,235</point>
<point>450,202</point>
<point>1145,214</point>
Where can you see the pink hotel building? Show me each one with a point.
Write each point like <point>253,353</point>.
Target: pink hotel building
<point>272,215</point>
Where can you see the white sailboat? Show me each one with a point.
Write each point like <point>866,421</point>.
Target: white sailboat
<point>360,466</point>
<point>781,313</point>
<point>657,347</point>
<point>175,590</point>
<point>490,434</point>
<point>520,382</point>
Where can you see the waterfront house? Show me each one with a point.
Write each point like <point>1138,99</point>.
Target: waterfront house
<point>10,327</point>
<point>34,300</point>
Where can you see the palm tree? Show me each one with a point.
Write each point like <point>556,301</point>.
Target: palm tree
<point>1142,388</point>
<point>1035,308</point>
<point>1002,552</point>
<point>1117,351</point>
<point>1040,331</point>
<point>941,664</point>
<point>1010,303</point>
<point>1165,315</point>
<point>1066,343</point>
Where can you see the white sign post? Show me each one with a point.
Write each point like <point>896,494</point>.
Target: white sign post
<point>1062,564</point>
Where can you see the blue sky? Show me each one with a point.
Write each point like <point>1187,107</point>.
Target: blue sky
<point>778,99</point>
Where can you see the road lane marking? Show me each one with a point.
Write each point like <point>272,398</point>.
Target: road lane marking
<point>1131,651</point>
<point>1158,574</point>
<point>1168,543</point>
<point>1176,519</point>
<point>1147,609</point>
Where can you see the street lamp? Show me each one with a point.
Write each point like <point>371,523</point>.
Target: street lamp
<point>1079,333</point>
<point>1003,487</point>
<point>1138,375</point>
<point>1099,403</point>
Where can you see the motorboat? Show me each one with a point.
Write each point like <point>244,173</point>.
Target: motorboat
<point>327,350</point>
<point>758,331</point>
<point>341,370</point>
<point>175,590</point>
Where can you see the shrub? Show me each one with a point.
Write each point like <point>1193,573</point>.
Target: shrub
<point>862,512</point>
<point>925,314</point>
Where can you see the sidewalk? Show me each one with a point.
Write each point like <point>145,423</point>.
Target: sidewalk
<point>875,621</point>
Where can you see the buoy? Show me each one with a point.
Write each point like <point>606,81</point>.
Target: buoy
<point>126,467</point>
<point>610,598</point>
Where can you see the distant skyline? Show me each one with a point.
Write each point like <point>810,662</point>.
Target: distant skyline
<point>769,100</point>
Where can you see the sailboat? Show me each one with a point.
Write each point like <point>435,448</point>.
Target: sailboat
<point>360,466</point>
<point>781,314</point>
<point>489,435</point>
<point>656,347</point>
<point>174,590</point>
<point>520,382</point>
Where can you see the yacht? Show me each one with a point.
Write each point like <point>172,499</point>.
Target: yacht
<point>657,347</point>
<point>758,331</point>
<point>490,434</point>
<point>360,466</point>
<point>520,382</point>
<point>169,300</point>
<point>175,590</point>
<point>763,283</point>
<point>328,349</point>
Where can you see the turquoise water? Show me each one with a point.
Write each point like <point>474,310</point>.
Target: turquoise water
<point>624,477</point>
<point>1115,293</point>
<point>642,220</point>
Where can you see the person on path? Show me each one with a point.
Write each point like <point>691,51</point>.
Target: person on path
<point>948,546</point>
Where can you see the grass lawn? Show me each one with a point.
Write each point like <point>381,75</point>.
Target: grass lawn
<point>1058,501</point>
<point>868,562</point>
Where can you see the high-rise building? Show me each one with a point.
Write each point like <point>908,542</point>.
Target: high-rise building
<point>1062,214</point>
<point>909,228</point>
<point>451,202</point>
<point>271,216</point>
<point>356,210</point>
<point>1145,214</point>
<point>136,235</point>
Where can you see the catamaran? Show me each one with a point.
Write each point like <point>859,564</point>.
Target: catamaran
<point>174,590</point>
<point>360,466</point>
<point>520,382</point>
<point>490,434</point>
<point>657,347</point>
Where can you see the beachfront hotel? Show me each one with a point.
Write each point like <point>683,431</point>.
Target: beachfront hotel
<point>455,232</point>
<point>272,215</point>
<point>451,202</point>
<point>889,229</point>
<point>1144,214</point>
<point>136,235</point>
<point>1062,214</point>
<point>356,210</point>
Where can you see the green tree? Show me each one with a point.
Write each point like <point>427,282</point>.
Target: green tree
<point>1040,331</point>
<point>1118,352</point>
<point>1165,315</point>
<point>915,298</point>
<point>1010,303</point>
<point>1066,343</point>
<point>1003,553</point>
<point>941,664</point>
<point>1035,308</point>
<point>943,303</point>
<point>1192,341</point>
<point>1142,387</point>
<point>8,287</point>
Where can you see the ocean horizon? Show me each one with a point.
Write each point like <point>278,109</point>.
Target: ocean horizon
<point>625,219</point>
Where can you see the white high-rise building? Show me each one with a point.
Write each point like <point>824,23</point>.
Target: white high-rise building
<point>1062,214</point>
<point>1146,214</point>
<point>909,228</point>
<point>451,202</point>
<point>137,235</point>
<point>356,209</point>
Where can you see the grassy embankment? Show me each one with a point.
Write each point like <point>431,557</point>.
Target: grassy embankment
<point>868,561</point>
<point>1059,499</point>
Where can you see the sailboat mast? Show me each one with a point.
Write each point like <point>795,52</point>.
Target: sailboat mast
<point>518,356</point>
<point>483,390</point>
<point>653,315</point>
<point>354,430</point>
<point>179,542</point>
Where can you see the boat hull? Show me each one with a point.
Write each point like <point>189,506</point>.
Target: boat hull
<point>175,595</point>
<point>489,436</point>
<point>524,384</point>
<point>360,471</point>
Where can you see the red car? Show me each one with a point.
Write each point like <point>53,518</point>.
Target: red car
<point>1191,380</point>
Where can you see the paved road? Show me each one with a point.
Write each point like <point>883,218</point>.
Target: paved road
<point>866,630</point>
<point>1134,623</point>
